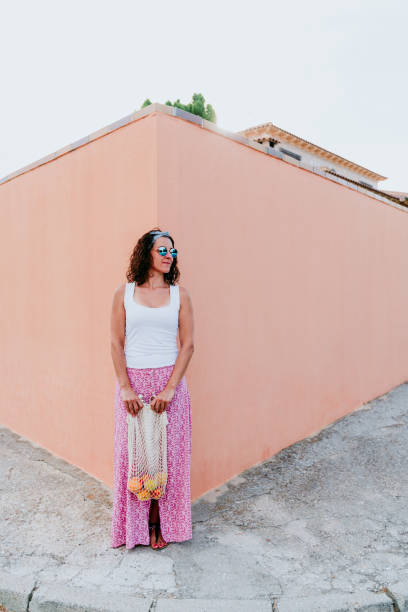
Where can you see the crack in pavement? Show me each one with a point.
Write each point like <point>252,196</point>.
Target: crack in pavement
<point>387,591</point>
<point>30,595</point>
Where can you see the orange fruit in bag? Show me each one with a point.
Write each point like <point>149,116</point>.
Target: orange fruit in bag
<point>135,484</point>
<point>157,493</point>
<point>143,495</point>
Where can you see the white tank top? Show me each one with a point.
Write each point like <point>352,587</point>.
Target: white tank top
<point>151,333</point>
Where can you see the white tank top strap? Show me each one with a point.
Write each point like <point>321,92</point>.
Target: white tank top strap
<point>128,292</point>
<point>172,295</point>
<point>176,295</point>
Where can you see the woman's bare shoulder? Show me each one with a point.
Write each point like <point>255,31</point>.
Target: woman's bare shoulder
<point>184,293</point>
<point>119,291</point>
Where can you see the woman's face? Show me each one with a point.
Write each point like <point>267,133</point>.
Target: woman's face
<point>161,263</point>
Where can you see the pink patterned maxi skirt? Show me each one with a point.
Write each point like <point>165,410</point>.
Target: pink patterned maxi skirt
<point>130,517</point>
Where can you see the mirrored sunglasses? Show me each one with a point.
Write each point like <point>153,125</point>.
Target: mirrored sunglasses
<point>163,251</point>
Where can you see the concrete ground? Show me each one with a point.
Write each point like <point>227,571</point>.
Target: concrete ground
<point>321,526</point>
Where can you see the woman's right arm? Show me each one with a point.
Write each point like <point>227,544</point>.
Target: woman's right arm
<point>118,320</point>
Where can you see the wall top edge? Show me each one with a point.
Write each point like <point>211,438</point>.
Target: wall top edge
<point>157,107</point>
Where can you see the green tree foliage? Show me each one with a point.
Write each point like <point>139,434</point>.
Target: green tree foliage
<point>197,106</point>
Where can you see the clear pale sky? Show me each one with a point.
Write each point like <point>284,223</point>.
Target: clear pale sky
<point>334,73</point>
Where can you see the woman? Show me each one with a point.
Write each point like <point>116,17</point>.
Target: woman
<point>147,313</point>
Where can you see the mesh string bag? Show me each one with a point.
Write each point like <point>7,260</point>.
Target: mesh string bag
<point>147,452</point>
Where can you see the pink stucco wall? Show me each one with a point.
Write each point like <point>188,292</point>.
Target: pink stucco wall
<point>298,287</point>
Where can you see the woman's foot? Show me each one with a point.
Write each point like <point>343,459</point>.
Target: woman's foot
<point>156,538</point>
<point>161,542</point>
<point>153,527</point>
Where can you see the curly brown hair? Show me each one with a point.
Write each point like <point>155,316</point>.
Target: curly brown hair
<point>140,261</point>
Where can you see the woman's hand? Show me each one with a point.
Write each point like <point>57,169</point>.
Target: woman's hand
<point>132,401</point>
<point>162,400</point>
